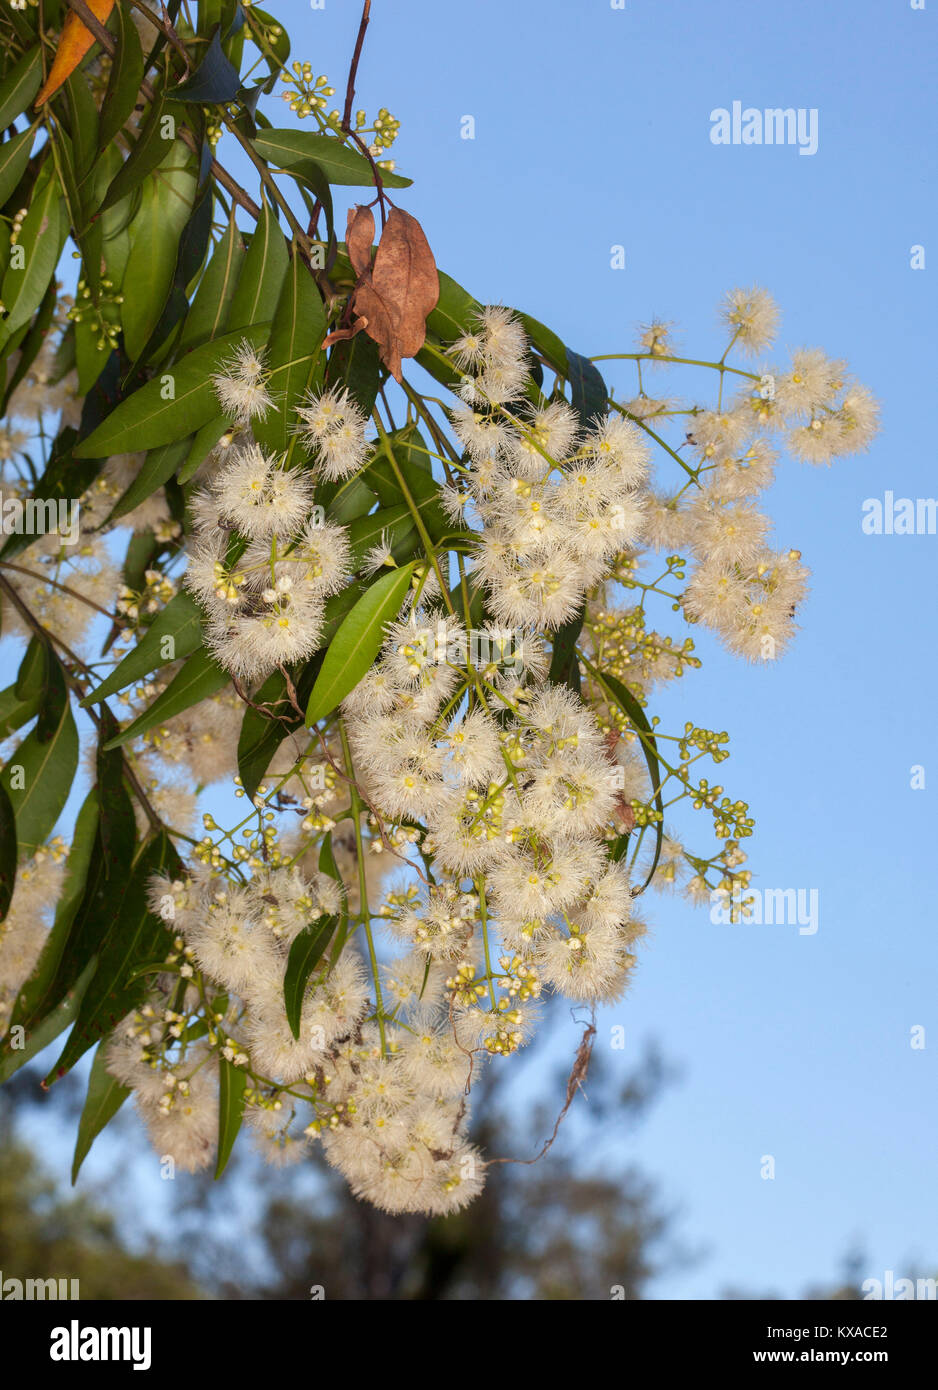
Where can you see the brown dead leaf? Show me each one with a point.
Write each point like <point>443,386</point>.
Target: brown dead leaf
<point>341,335</point>
<point>359,235</point>
<point>401,290</point>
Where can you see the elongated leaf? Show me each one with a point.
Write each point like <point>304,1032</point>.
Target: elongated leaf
<point>367,531</point>
<point>33,994</point>
<point>208,316</point>
<point>105,1097</point>
<point>627,703</point>
<point>100,872</point>
<point>14,156</point>
<point>203,442</point>
<point>200,677</point>
<point>168,196</point>
<point>45,1032</point>
<point>173,405</point>
<point>38,779</point>
<point>177,630</point>
<point>340,164</point>
<point>357,642</point>
<point>124,80</point>
<point>231,1084</point>
<point>305,954</point>
<point>258,289</point>
<point>7,852</point>
<point>40,243</point>
<point>295,355</point>
<point>20,86</point>
<point>158,467</point>
<point>16,711</point>
<point>153,144</point>
<point>136,936</point>
<point>262,735</point>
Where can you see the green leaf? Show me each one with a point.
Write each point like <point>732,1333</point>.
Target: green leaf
<point>305,954</point>
<point>258,288</point>
<point>202,444</point>
<point>367,531</point>
<point>295,355</point>
<point>340,164</point>
<point>40,243</point>
<point>14,156</point>
<point>356,364</point>
<point>152,147</point>
<point>455,310</point>
<point>135,937</point>
<point>564,666</point>
<point>12,1058</point>
<point>19,86</point>
<point>42,769</point>
<point>158,467</point>
<point>200,677</point>
<point>124,80</point>
<point>7,852</point>
<point>357,642</point>
<point>168,196</point>
<point>261,735</point>
<point>619,695</point>
<point>215,80</point>
<point>173,405</point>
<point>231,1085</point>
<point>208,315</point>
<point>180,622</point>
<point>105,1097</point>
<point>16,710</point>
<point>35,994</point>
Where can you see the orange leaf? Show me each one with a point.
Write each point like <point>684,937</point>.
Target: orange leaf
<point>74,42</point>
<point>400,292</point>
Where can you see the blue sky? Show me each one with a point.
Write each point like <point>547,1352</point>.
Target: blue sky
<point>592,130</point>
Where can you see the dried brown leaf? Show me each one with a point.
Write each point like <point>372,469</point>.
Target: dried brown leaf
<point>400,292</point>
<point>359,235</point>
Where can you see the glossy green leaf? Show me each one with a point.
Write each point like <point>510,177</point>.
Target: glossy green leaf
<point>152,146</point>
<point>232,1081</point>
<point>38,778</point>
<point>208,316</point>
<point>357,642</point>
<point>173,405</point>
<point>46,1031</point>
<point>339,163</point>
<point>200,677</point>
<point>202,444</point>
<point>19,86</point>
<point>261,276</point>
<point>39,245</point>
<point>619,695</point>
<point>168,196</point>
<point>105,1097</point>
<point>305,954</point>
<point>123,81</point>
<point>136,936</point>
<point>295,355</point>
<point>158,467</point>
<point>14,156</point>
